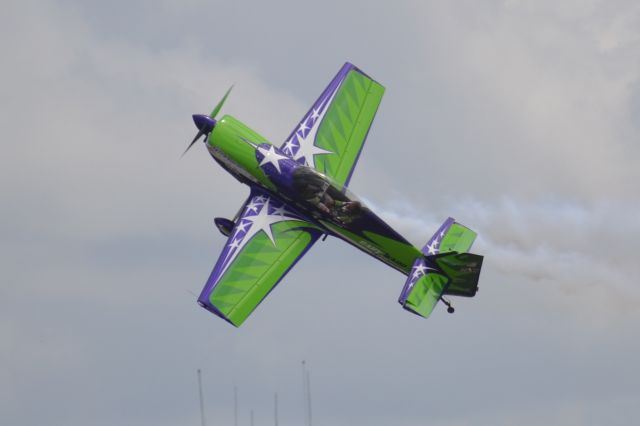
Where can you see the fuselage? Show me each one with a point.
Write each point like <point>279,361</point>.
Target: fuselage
<point>253,160</point>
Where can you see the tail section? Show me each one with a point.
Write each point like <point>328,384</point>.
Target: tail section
<point>445,268</point>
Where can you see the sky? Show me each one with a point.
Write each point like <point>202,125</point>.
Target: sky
<point>521,119</point>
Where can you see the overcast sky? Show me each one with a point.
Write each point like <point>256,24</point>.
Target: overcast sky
<point>519,118</point>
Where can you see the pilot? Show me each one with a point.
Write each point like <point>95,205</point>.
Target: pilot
<point>312,188</point>
<point>347,211</point>
<point>317,190</point>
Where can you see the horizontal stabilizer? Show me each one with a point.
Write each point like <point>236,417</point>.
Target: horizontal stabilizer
<point>451,236</point>
<point>424,288</point>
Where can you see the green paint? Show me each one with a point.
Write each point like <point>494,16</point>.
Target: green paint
<point>425,293</point>
<point>397,254</point>
<point>346,124</point>
<point>403,253</point>
<point>458,238</point>
<point>227,137</point>
<point>258,269</point>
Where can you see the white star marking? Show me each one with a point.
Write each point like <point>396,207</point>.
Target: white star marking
<point>281,211</point>
<point>288,146</point>
<point>271,156</point>
<point>307,149</point>
<point>420,269</point>
<point>235,244</point>
<point>433,247</point>
<point>263,221</point>
<point>232,248</point>
<point>259,222</point>
<point>303,126</point>
<point>252,206</point>
<point>242,227</point>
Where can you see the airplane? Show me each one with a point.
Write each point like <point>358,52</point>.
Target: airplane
<point>298,194</point>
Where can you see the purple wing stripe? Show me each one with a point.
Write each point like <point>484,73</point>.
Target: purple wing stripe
<point>300,145</point>
<point>326,94</point>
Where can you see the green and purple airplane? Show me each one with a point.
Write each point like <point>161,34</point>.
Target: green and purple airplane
<point>299,194</point>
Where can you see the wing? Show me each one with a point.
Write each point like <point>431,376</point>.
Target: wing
<point>331,135</point>
<point>267,240</point>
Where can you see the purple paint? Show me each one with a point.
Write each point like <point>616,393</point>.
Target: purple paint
<point>204,123</point>
<point>433,245</point>
<point>314,115</point>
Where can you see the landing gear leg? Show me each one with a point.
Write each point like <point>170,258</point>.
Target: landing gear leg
<point>450,308</point>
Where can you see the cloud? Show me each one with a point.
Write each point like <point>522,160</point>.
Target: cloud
<point>524,90</point>
<point>100,126</point>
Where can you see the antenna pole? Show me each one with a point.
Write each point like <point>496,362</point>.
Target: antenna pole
<point>304,393</point>
<point>235,406</point>
<point>275,408</point>
<point>201,399</point>
<point>251,417</point>
<point>309,394</point>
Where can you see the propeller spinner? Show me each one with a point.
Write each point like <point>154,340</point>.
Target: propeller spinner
<point>206,123</point>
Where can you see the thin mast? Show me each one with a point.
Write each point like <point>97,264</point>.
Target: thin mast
<point>275,408</point>
<point>309,394</point>
<point>304,394</point>
<point>235,406</point>
<point>201,399</point>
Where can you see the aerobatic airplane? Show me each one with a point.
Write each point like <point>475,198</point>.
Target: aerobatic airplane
<point>299,194</point>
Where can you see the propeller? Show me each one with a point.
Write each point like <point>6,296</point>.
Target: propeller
<point>206,123</point>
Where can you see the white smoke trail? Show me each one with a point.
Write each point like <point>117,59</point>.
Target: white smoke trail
<point>581,250</point>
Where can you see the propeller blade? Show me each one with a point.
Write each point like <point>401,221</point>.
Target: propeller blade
<point>216,110</point>
<point>205,124</point>
<point>192,142</point>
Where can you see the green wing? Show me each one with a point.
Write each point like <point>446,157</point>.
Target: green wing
<point>266,241</point>
<point>331,135</point>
